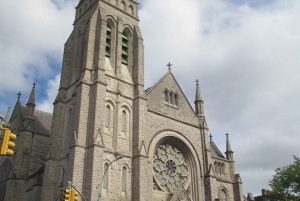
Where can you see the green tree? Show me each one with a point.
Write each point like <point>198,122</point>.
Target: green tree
<point>286,182</point>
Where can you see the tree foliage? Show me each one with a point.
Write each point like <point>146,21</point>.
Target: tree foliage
<point>286,182</point>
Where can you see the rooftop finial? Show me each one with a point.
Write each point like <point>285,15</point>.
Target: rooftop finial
<point>229,152</point>
<point>169,66</point>
<point>31,99</point>
<point>198,101</point>
<point>19,95</point>
<point>210,137</point>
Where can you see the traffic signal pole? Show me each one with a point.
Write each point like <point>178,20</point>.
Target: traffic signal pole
<point>70,184</point>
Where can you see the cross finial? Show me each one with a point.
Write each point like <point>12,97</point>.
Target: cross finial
<point>19,95</point>
<point>169,65</point>
<point>227,134</point>
<point>197,81</point>
<point>210,136</point>
<point>34,85</point>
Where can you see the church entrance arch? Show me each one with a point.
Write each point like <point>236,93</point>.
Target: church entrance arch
<point>175,166</point>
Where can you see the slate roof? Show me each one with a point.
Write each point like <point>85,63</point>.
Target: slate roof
<point>215,150</point>
<point>42,121</point>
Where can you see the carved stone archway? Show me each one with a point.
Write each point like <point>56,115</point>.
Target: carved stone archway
<point>175,165</point>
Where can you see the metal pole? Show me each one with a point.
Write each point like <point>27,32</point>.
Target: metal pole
<point>99,195</point>
<point>71,185</point>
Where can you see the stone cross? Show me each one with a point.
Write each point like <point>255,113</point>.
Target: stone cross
<point>210,136</point>
<point>19,95</point>
<point>169,65</point>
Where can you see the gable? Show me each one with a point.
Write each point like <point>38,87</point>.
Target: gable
<point>16,118</point>
<point>182,111</point>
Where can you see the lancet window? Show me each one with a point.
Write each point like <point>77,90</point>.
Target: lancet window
<point>124,49</point>
<point>108,41</point>
<point>124,178</point>
<point>123,129</point>
<point>107,116</point>
<point>105,181</point>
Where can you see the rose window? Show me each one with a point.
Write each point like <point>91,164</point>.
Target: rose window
<point>170,168</point>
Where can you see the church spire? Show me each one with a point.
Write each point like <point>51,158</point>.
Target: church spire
<point>229,152</point>
<point>30,106</point>
<point>31,99</point>
<point>198,101</point>
<point>6,119</point>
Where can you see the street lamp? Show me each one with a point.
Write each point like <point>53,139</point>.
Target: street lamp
<point>99,195</point>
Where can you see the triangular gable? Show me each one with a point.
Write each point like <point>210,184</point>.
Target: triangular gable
<point>156,100</point>
<point>215,151</point>
<point>16,118</point>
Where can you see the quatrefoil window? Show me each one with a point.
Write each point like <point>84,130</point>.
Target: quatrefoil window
<point>170,168</point>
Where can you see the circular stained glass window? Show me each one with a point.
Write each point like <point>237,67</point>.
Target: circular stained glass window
<point>170,168</point>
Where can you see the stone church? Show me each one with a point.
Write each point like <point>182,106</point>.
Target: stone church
<point>102,112</point>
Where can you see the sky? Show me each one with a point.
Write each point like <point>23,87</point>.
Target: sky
<point>245,54</point>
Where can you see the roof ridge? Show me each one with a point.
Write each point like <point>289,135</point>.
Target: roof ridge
<point>216,149</point>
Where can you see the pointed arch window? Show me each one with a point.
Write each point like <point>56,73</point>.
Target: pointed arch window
<point>176,100</point>
<point>131,10</point>
<point>107,116</point>
<point>105,181</point>
<point>123,121</point>
<point>124,49</point>
<point>124,178</point>
<point>108,41</point>
<point>171,98</point>
<point>166,96</point>
<point>223,195</point>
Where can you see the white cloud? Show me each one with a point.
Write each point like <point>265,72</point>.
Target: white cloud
<point>32,32</point>
<point>246,59</point>
<point>52,89</point>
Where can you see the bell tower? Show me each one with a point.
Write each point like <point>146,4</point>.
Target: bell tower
<point>101,94</point>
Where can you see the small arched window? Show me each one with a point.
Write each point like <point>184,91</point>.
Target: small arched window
<point>124,178</point>
<point>123,121</point>
<point>105,171</point>
<point>166,96</point>
<point>108,41</point>
<point>124,49</point>
<point>171,98</point>
<point>123,5</point>
<point>223,195</point>
<point>216,167</point>
<point>223,169</point>
<point>131,9</point>
<point>107,116</point>
<point>176,100</point>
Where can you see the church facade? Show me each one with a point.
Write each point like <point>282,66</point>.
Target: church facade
<point>154,145</point>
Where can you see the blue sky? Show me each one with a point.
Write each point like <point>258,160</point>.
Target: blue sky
<point>244,53</point>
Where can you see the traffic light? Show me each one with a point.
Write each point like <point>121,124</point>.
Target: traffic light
<point>67,195</point>
<point>74,195</point>
<point>6,142</point>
